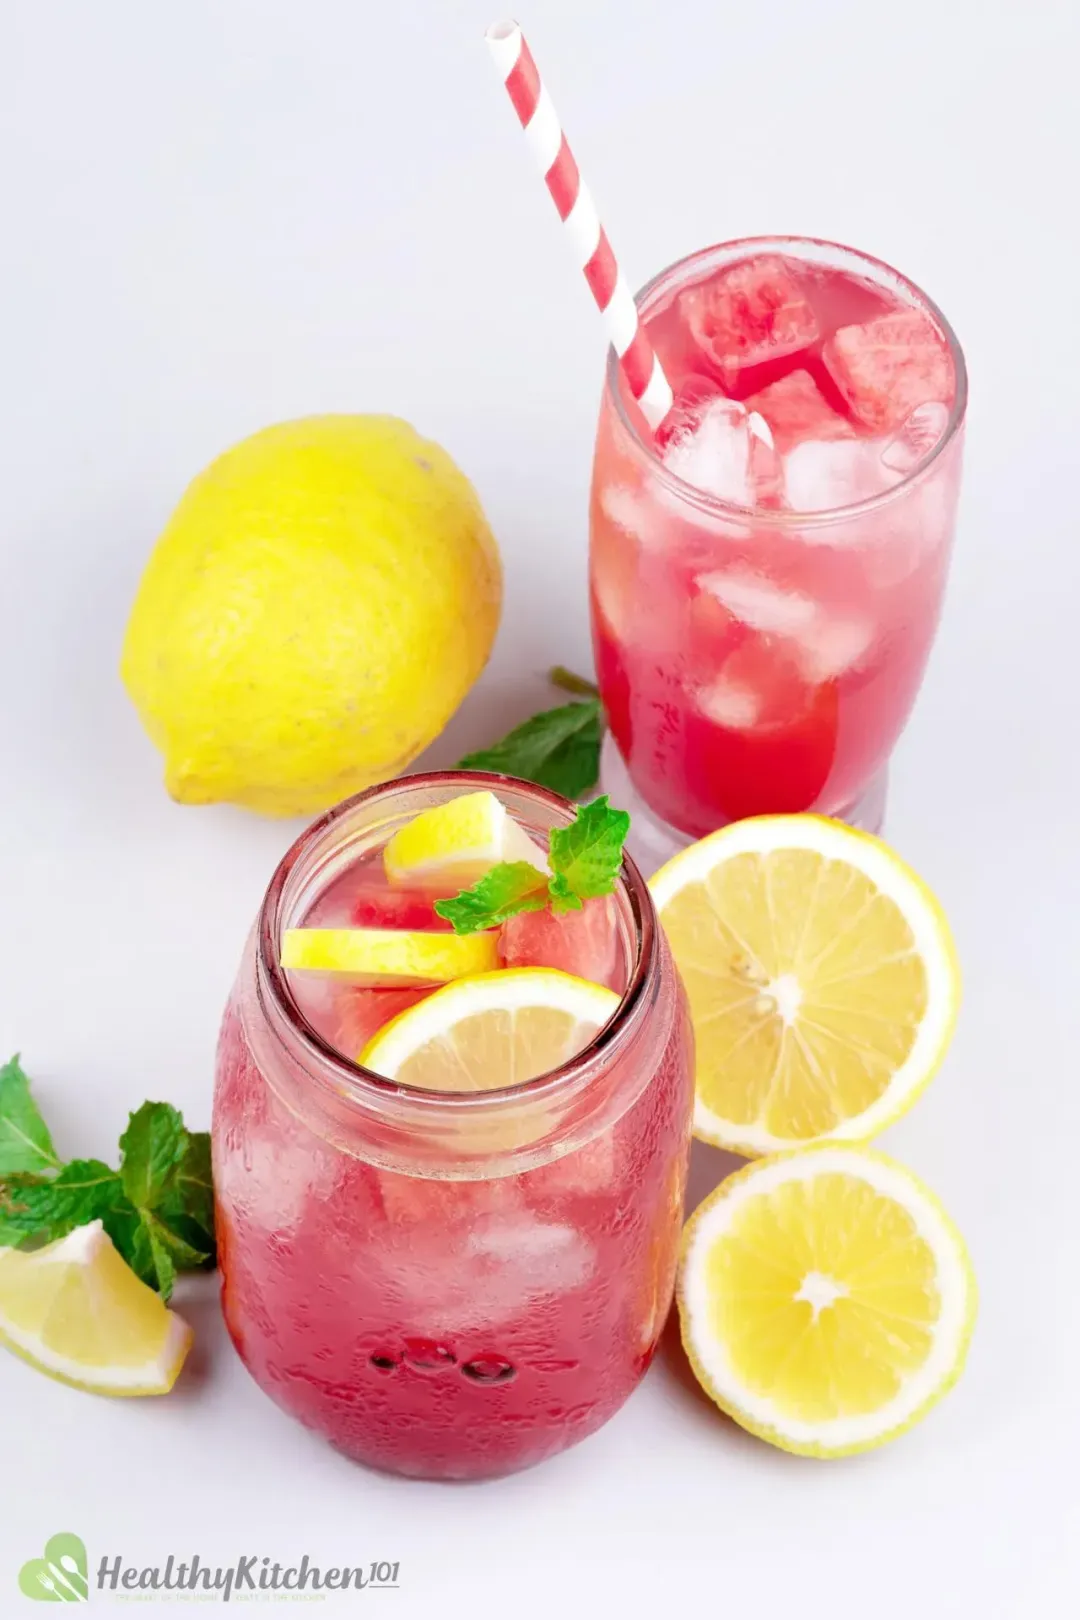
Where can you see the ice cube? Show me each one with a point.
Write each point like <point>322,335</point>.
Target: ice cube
<point>615,557</point>
<point>690,401</point>
<point>796,409</point>
<point>753,311</point>
<point>887,367</point>
<point>818,642</point>
<point>835,644</point>
<point>483,1277</point>
<point>588,1169</point>
<point>758,602</point>
<point>822,475</point>
<point>412,1202</point>
<point>515,1260</point>
<point>585,943</point>
<point>712,452</point>
<point>624,507</point>
<point>731,703</point>
<point>916,438</point>
<point>272,1178</point>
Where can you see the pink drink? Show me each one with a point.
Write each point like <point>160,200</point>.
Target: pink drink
<point>762,613</point>
<point>444,1285</point>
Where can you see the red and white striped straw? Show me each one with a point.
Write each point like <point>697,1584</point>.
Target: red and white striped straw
<point>641,368</point>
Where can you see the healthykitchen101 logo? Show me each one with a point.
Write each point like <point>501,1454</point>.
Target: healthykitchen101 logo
<point>62,1575</point>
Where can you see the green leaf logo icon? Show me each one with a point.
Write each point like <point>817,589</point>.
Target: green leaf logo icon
<point>59,1577</point>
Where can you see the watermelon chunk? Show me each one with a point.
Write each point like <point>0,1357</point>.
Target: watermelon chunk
<point>796,409</point>
<point>360,1012</point>
<point>377,905</point>
<point>888,366</point>
<point>754,311</point>
<point>585,943</point>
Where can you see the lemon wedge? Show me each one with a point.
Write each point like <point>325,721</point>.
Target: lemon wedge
<point>452,845</point>
<point>76,1311</point>
<point>498,1029</point>
<point>822,979</point>
<point>388,957</point>
<point>826,1299</point>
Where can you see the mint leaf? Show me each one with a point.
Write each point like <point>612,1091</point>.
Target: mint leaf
<point>168,1224</point>
<point>153,1146</point>
<point>586,856</point>
<point>508,888</point>
<point>188,1207</point>
<point>25,1143</point>
<point>36,1209</point>
<point>148,1258</point>
<point>559,749</point>
<point>155,1252</point>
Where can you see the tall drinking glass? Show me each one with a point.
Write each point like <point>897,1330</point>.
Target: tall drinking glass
<point>447,1284</point>
<point>766,587</point>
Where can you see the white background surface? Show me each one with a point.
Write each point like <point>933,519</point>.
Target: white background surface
<point>225,212</point>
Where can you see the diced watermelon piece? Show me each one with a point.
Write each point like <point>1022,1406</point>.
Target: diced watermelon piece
<point>754,311</point>
<point>360,1013</point>
<point>585,943</point>
<point>377,905</point>
<point>796,409</point>
<point>886,367</point>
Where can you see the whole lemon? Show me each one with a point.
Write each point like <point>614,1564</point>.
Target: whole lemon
<point>322,599</point>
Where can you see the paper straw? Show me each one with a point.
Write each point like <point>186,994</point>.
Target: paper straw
<point>543,132</point>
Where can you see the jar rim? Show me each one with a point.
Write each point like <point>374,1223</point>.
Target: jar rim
<point>681,273</point>
<point>353,1083</point>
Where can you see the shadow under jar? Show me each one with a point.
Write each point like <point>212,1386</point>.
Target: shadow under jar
<point>447,1285</point>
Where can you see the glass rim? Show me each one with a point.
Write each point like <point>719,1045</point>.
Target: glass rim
<point>358,1085</point>
<point>712,505</point>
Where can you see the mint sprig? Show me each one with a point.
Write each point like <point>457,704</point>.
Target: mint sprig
<point>158,1207</point>
<point>584,859</point>
<point>509,888</point>
<point>558,748</point>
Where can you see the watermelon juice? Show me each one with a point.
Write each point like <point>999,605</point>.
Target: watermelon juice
<point>767,573</point>
<point>442,1284</point>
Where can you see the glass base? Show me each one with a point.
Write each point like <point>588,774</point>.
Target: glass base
<point>652,841</point>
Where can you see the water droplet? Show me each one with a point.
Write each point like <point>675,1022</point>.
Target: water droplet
<point>428,1353</point>
<point>489,1369</point>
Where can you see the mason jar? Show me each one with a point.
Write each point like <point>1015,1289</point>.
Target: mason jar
<point>447,1284</point>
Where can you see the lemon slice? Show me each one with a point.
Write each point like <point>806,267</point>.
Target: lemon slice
<point>499,1029</point>
<point>452,845</point>
<point>76,1311</point>
<point>826,1299</point>
<point>388,956</point>
<point>822,980</point>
